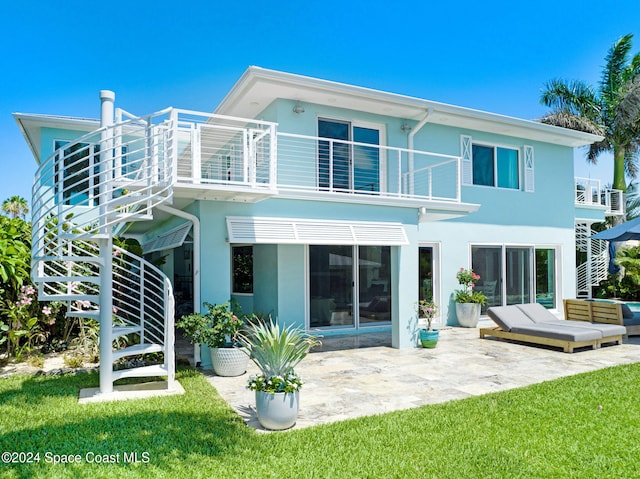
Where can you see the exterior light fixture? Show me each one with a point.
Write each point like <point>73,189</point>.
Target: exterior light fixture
<point>405,126</point>
<point>298,108</point>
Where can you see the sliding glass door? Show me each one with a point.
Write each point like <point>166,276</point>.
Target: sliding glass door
<point>346,166</point>
<point>349,286</point>
<point>515,274</point>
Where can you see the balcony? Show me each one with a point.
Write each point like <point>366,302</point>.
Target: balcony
<point>245,160</point>
<point>588,192</point>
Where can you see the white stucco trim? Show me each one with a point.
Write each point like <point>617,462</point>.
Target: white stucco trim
<point>267,230</point>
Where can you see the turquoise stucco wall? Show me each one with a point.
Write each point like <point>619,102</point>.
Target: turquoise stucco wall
<point>455,240</point>
<point>265,279</point>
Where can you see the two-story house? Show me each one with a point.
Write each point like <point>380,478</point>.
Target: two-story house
<point>330,206</point>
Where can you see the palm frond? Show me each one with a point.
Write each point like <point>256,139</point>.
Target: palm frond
<point>627,113</point>
<point>596,149</point>
<point>572,121</point>
<point>632,197</point>
<point>612,74</point>
<point>631,160</point>
<point>575,97</point>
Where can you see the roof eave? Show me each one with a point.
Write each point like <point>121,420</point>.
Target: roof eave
<point>441,112</point>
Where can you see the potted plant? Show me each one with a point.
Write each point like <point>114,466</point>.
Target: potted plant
<point>427,310</point>
<point>468,301</point>
<point>276,351</point>
<point>218,328</point>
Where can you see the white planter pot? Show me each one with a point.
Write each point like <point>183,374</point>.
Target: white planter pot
<point>468,314</point>
<point>229,361</point>
<point>277,411</point>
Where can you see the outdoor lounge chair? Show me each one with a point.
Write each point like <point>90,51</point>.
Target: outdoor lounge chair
<point>528,323</point>
<point>603,311</point>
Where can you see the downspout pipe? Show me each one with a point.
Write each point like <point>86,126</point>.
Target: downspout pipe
<point>410,146</point>
<point>195,221</point>
<point>418,127</point>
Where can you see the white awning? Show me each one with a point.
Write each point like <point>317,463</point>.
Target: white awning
<point>253,230</point>
<point>171,239</point>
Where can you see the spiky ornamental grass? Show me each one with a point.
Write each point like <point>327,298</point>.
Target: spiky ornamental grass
<point>277,350</point>
<point>584,426</point>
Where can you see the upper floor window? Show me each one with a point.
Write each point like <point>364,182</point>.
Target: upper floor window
<point>345,162</point>
<point>495,166</point>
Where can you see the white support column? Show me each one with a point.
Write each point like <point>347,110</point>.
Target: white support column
<point>106,246</point>
<point>106,321</point>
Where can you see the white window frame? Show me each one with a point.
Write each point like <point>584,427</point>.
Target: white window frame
<point>557,271</point>
<point>495,147</point>
<point>381,127</point>
<point>235,293</point>
<point>437,279</point>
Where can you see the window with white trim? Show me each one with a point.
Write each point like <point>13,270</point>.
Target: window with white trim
<point>242,269</point>
<point>514,274</point>
<point>495,166</point>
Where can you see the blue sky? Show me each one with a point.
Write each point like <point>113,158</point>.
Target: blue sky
<point>57,54</point>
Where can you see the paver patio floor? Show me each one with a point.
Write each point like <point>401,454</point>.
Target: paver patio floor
<point>362,375</point>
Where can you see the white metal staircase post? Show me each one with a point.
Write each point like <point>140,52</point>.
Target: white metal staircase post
<point>106,247</point>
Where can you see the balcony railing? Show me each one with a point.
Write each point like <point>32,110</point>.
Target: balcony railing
<point>588,192</point>
<point>222,150</point>
<point>216,151</point>
<point>308,163</point>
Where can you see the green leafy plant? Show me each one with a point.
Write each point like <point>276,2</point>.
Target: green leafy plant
<point>276,351</point>
<point>73,360</point>
<point>219,327</point>
<point>468,279</point>
<point>289,383</point>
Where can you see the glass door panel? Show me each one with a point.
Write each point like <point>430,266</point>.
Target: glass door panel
<point>486,261</point>
<point>331,286</point>
<point>518,275</point>
<point>334,157</point>
<point>374,280</point>
<point>545,277</point>
<point>366,160</point>
<point>426,273</point>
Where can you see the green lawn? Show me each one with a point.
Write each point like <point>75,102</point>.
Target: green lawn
<point>585,426</point>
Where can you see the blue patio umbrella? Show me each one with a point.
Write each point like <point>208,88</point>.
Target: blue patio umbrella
<point>613,267</point>
<point>629,230</point>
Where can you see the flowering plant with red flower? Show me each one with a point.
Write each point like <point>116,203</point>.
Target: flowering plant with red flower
<point>468,279</point>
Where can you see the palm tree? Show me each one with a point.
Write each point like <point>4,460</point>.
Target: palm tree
<point>612,110</point>
<point>16,206</point>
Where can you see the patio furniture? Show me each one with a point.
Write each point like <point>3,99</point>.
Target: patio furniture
<point>532,323</point>
<point>540,314</point>
<point>608,311</point>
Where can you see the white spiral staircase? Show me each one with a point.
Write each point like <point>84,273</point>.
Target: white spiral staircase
<point>595,269</point>
<point>85,194</point>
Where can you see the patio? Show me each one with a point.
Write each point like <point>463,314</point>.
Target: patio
<point>354,376</point>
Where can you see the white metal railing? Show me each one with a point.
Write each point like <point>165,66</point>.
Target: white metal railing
<point>81,194</point>
<point>595,268</point>
<point>589,192</point>
<point>308,163</point>
<point>223,150</point>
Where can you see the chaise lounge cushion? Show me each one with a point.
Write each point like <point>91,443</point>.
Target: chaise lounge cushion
<point>540,315</point>
<point>508,317</point>
<point>514,320</point>
<point>563,332</point>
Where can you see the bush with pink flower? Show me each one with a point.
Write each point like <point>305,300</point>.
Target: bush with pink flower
<point>468,279</point>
